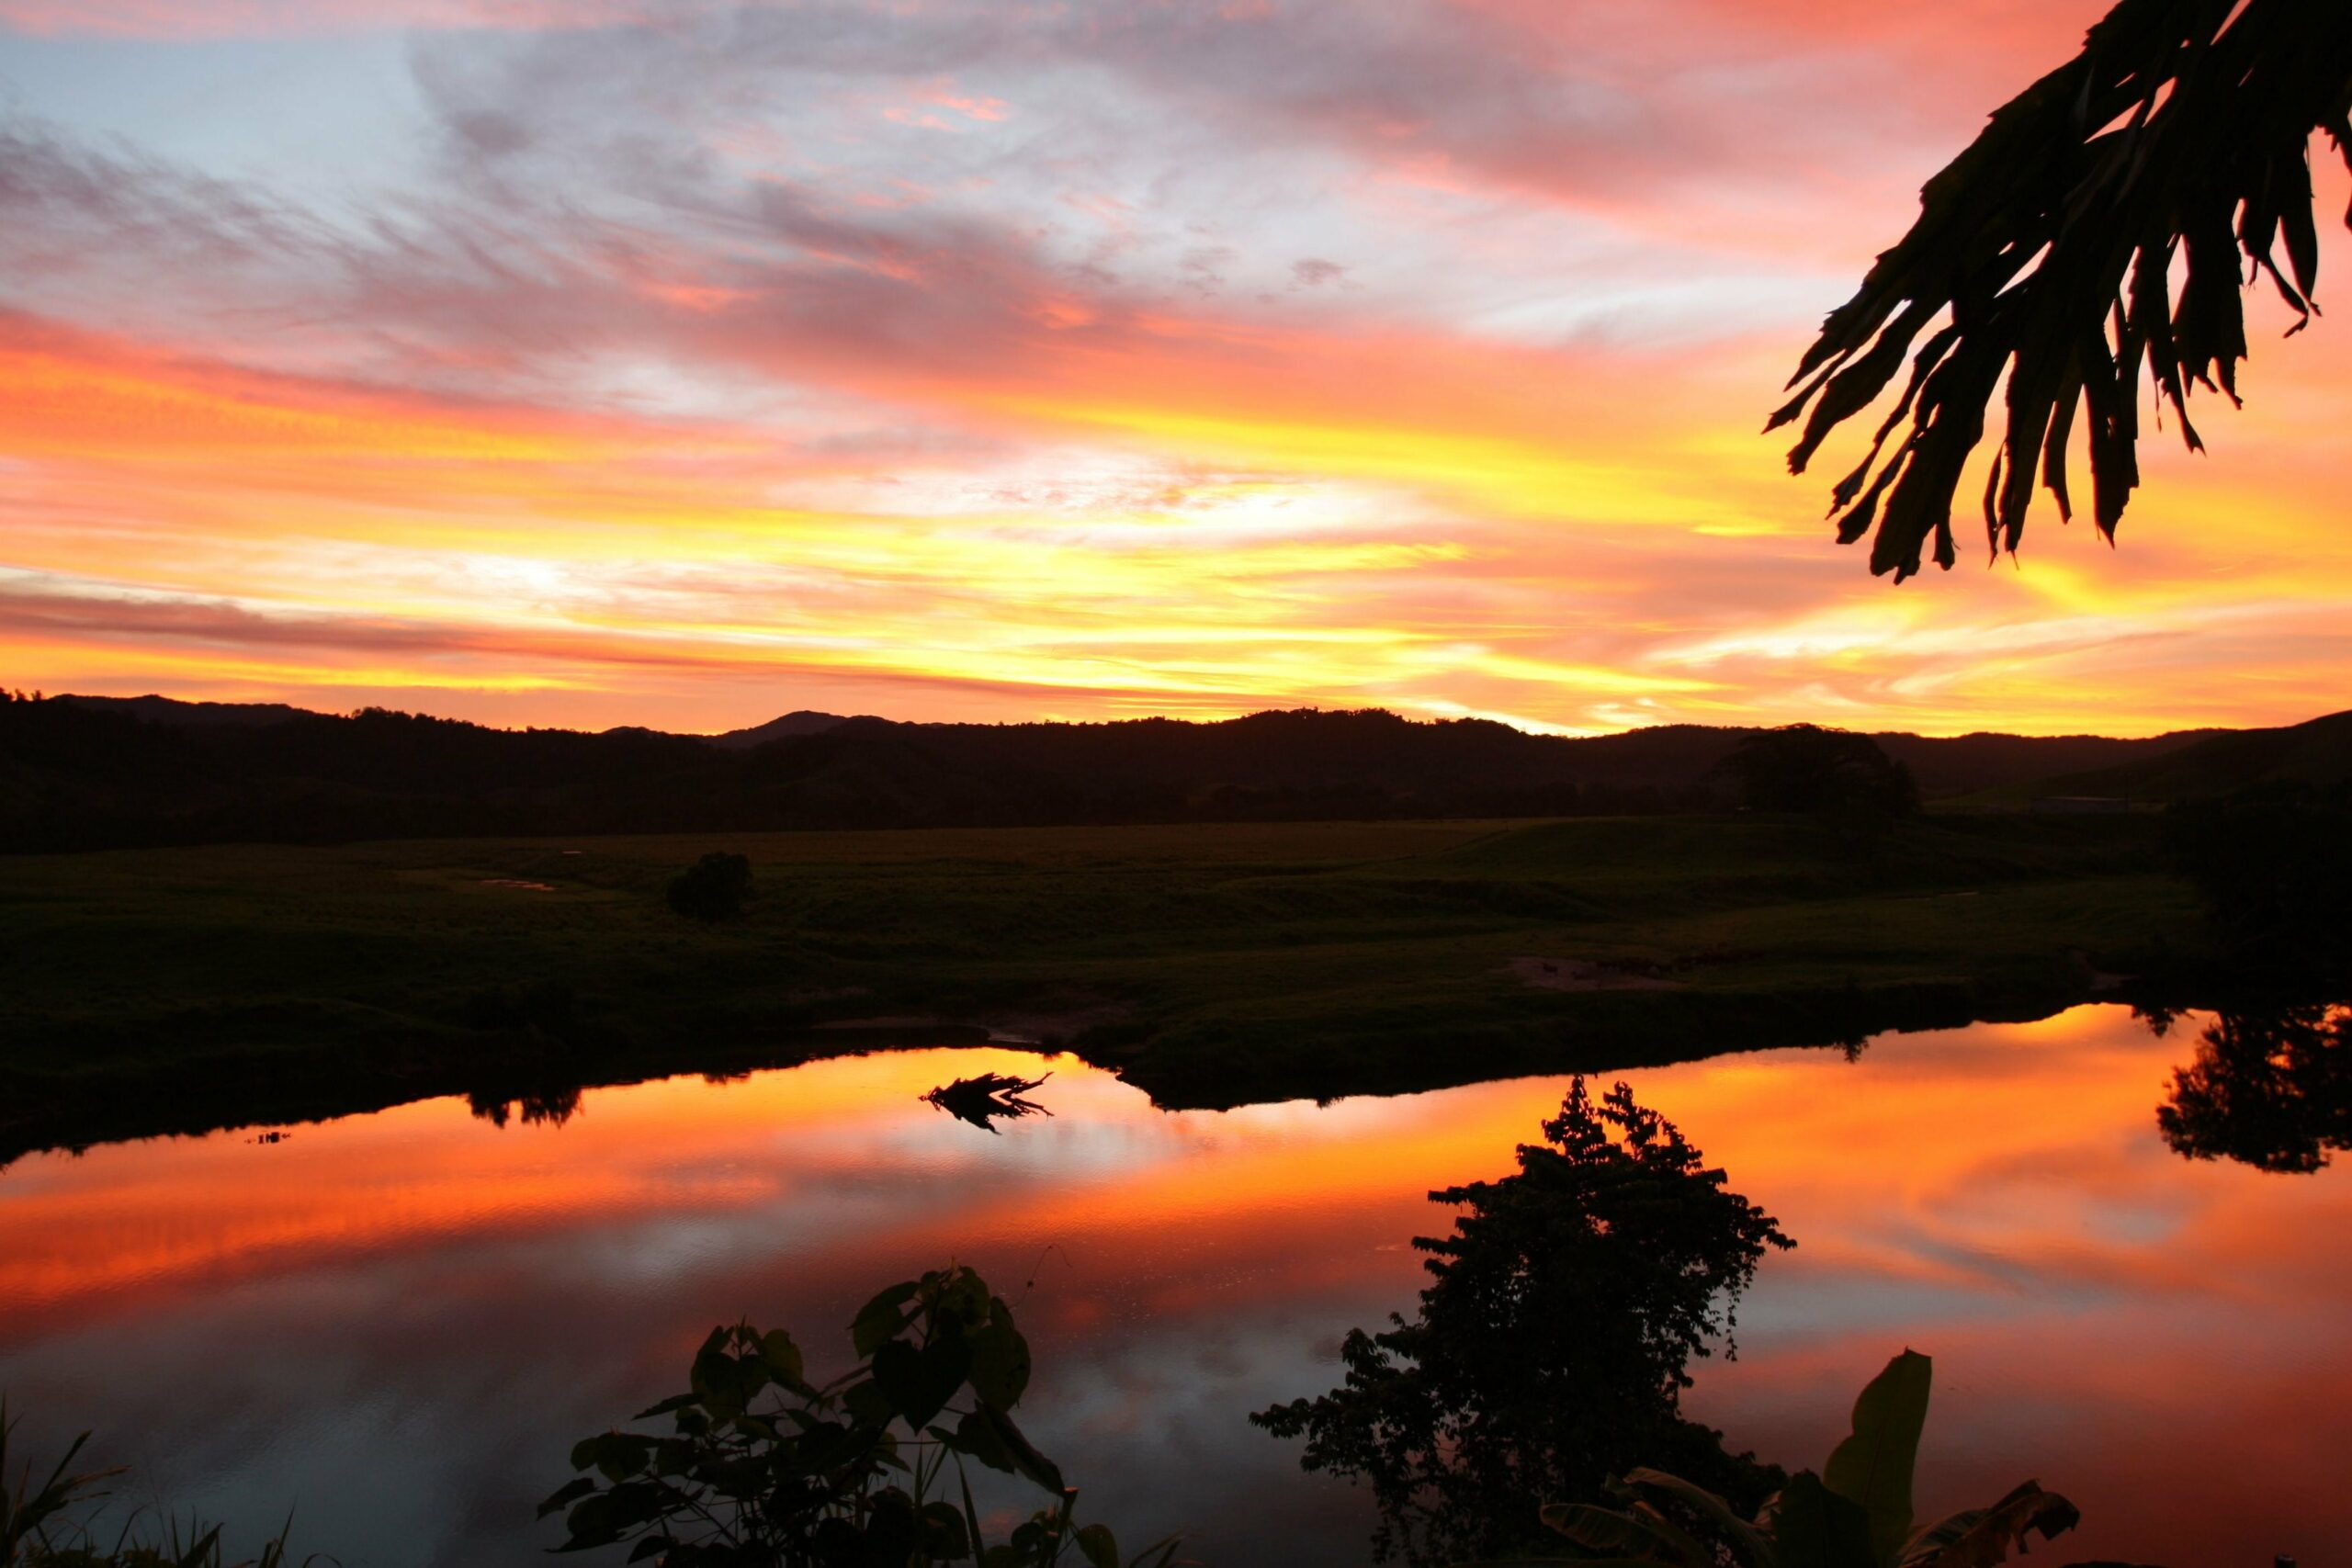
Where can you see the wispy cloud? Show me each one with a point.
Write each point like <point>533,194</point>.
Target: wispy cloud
<point>966,359</point>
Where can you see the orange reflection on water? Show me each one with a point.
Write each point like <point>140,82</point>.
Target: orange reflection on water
<point>139,1222</point>
<point>2104,1314</point>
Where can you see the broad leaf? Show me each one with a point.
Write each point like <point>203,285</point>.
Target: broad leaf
<point>1000,1363</point>
<point>1871,1468</point>
<point>1020,1455</point>
<point>1101,1547</point>
<point>919,1383</point>
<point>1641,1534</point>
<point>881,1318</point>
<point>566,1495</point>
<point>781,1358</point>
<point>1744,1536</point>
<point>868,1405</point>
<point>675,1401</point>
<point>944,1537</point>
<point>1812,1527</point>
<point>2102,223</point>
<point>1980,1537</point>
<point>1606,1530</point>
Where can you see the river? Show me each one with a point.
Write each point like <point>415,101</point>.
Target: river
<point>395,1324</point>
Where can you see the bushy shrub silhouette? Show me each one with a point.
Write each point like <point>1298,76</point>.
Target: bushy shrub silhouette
<point>715,887</point>
<point>1803,767</point>
<point>2272,864</point>
<point>1551,1348</point>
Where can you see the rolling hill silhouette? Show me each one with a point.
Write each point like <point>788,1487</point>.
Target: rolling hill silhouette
<point>2316,752</point>
<point>84,773</point>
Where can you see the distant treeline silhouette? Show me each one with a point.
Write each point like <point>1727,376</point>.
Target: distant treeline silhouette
<point>87,773</point>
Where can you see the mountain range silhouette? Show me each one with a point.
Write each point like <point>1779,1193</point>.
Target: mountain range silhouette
<point>93,771</point>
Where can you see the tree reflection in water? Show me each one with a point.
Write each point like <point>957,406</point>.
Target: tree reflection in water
<point>553,1106</point>
<point>1549,1355</point>
<point>2271,1089</point>
<point>985,1101</point>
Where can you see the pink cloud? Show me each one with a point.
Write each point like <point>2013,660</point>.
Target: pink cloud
<point>972,107</point>
<point>1171,377</point>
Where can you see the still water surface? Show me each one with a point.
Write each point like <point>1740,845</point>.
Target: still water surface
<point>396,1324</point>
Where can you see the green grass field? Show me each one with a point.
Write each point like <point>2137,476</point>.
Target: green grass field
<point>1213,963</point>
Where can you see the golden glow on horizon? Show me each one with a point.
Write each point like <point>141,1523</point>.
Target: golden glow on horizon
<point>1011,483</point>
<point>520,555</point>
<point>1508,478</point>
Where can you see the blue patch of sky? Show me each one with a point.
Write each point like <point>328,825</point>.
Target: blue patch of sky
<point>313,118</point>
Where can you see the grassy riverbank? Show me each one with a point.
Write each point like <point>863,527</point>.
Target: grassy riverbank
<point>147,990</point>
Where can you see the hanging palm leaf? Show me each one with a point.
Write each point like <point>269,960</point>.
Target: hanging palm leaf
<point>2097,224</point>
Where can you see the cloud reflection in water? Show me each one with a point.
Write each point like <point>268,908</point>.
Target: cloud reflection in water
<point>397,1322</point>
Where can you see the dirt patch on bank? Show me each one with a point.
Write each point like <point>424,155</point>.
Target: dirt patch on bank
<point>1055,1023</point>
<point>1051,1023</point>
<point>1583,974</point>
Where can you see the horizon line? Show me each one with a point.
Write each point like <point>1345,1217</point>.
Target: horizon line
<point>1523,728</point>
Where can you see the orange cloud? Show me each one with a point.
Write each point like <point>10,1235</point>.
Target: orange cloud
<point>648,402</point>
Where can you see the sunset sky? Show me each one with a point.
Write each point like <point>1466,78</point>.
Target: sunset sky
<point>596,362</point>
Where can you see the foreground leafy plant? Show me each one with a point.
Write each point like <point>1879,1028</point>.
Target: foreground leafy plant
<point>27,1513</point>
<point>1854,1514</point>
<point>48,1526</point>
<point>766,1469</point>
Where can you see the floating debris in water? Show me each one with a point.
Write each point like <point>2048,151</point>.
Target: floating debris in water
<point>518,884</point>
<point>983,1100</point>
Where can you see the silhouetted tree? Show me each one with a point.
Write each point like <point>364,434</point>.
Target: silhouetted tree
<point>2274,867</point>
<point>2271,1089</point>
<point>2174,144</point>
<point>1549,1354</point>
<point>1803,767</point>
<point>714,888</point>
